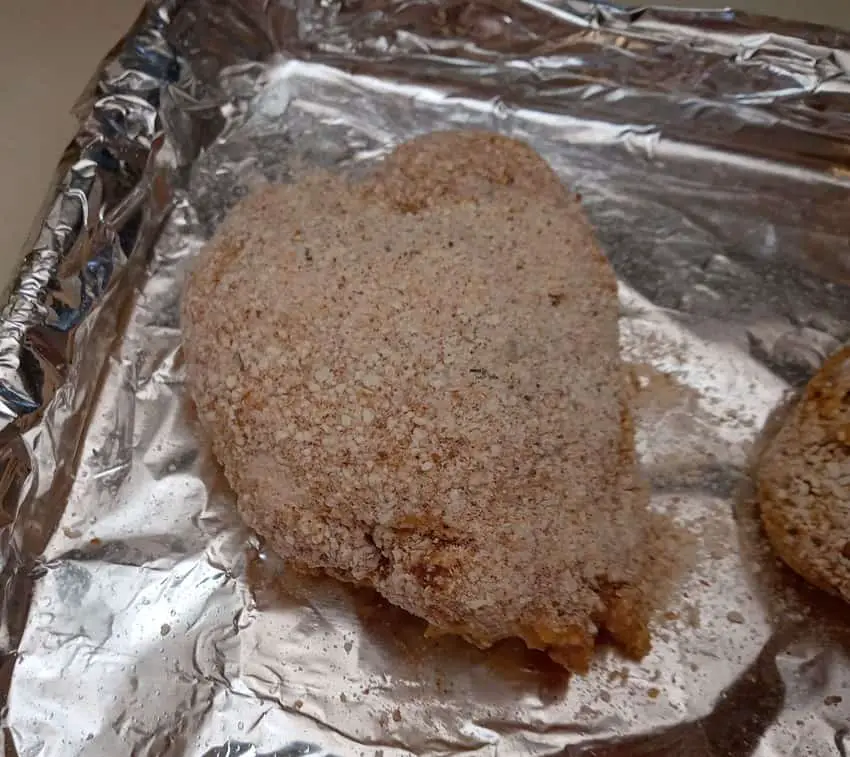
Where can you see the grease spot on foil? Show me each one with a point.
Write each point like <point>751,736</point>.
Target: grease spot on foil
<point>140,614</point>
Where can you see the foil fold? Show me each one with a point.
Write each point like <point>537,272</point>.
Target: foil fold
<point>138,615</point>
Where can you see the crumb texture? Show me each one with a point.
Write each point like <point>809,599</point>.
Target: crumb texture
<point>804,481</point>
<point>414,383</point>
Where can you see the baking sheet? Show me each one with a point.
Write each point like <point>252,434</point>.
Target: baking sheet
<point>140,617</point>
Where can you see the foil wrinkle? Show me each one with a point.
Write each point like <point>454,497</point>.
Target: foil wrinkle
<point>139,616</point>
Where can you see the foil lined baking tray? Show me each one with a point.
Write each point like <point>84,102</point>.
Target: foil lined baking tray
<point>138,615</point>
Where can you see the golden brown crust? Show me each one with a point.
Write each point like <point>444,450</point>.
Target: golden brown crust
<point>803,478</point>
<point>431,401</point>
<point>449,167</point>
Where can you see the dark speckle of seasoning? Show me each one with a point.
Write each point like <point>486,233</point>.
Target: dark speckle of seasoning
<point>308,255</point>
<point>555,299</point>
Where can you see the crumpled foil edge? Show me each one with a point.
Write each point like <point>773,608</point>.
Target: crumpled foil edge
<point>117,186</point>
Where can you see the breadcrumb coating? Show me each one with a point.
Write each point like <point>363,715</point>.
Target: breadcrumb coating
<point>414,383</point>
<point>804,481</point>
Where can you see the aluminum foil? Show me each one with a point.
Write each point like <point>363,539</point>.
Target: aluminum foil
<point>139,616</point>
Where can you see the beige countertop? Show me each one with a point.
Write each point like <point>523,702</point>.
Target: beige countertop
<point>49,50</point>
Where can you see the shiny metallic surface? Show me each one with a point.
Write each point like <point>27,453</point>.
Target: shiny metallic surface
<point>140,617</point>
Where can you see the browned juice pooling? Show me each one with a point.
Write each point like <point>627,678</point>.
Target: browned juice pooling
<point>414,383</point>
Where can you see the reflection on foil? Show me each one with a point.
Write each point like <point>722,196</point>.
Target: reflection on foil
<point>139,616</point>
